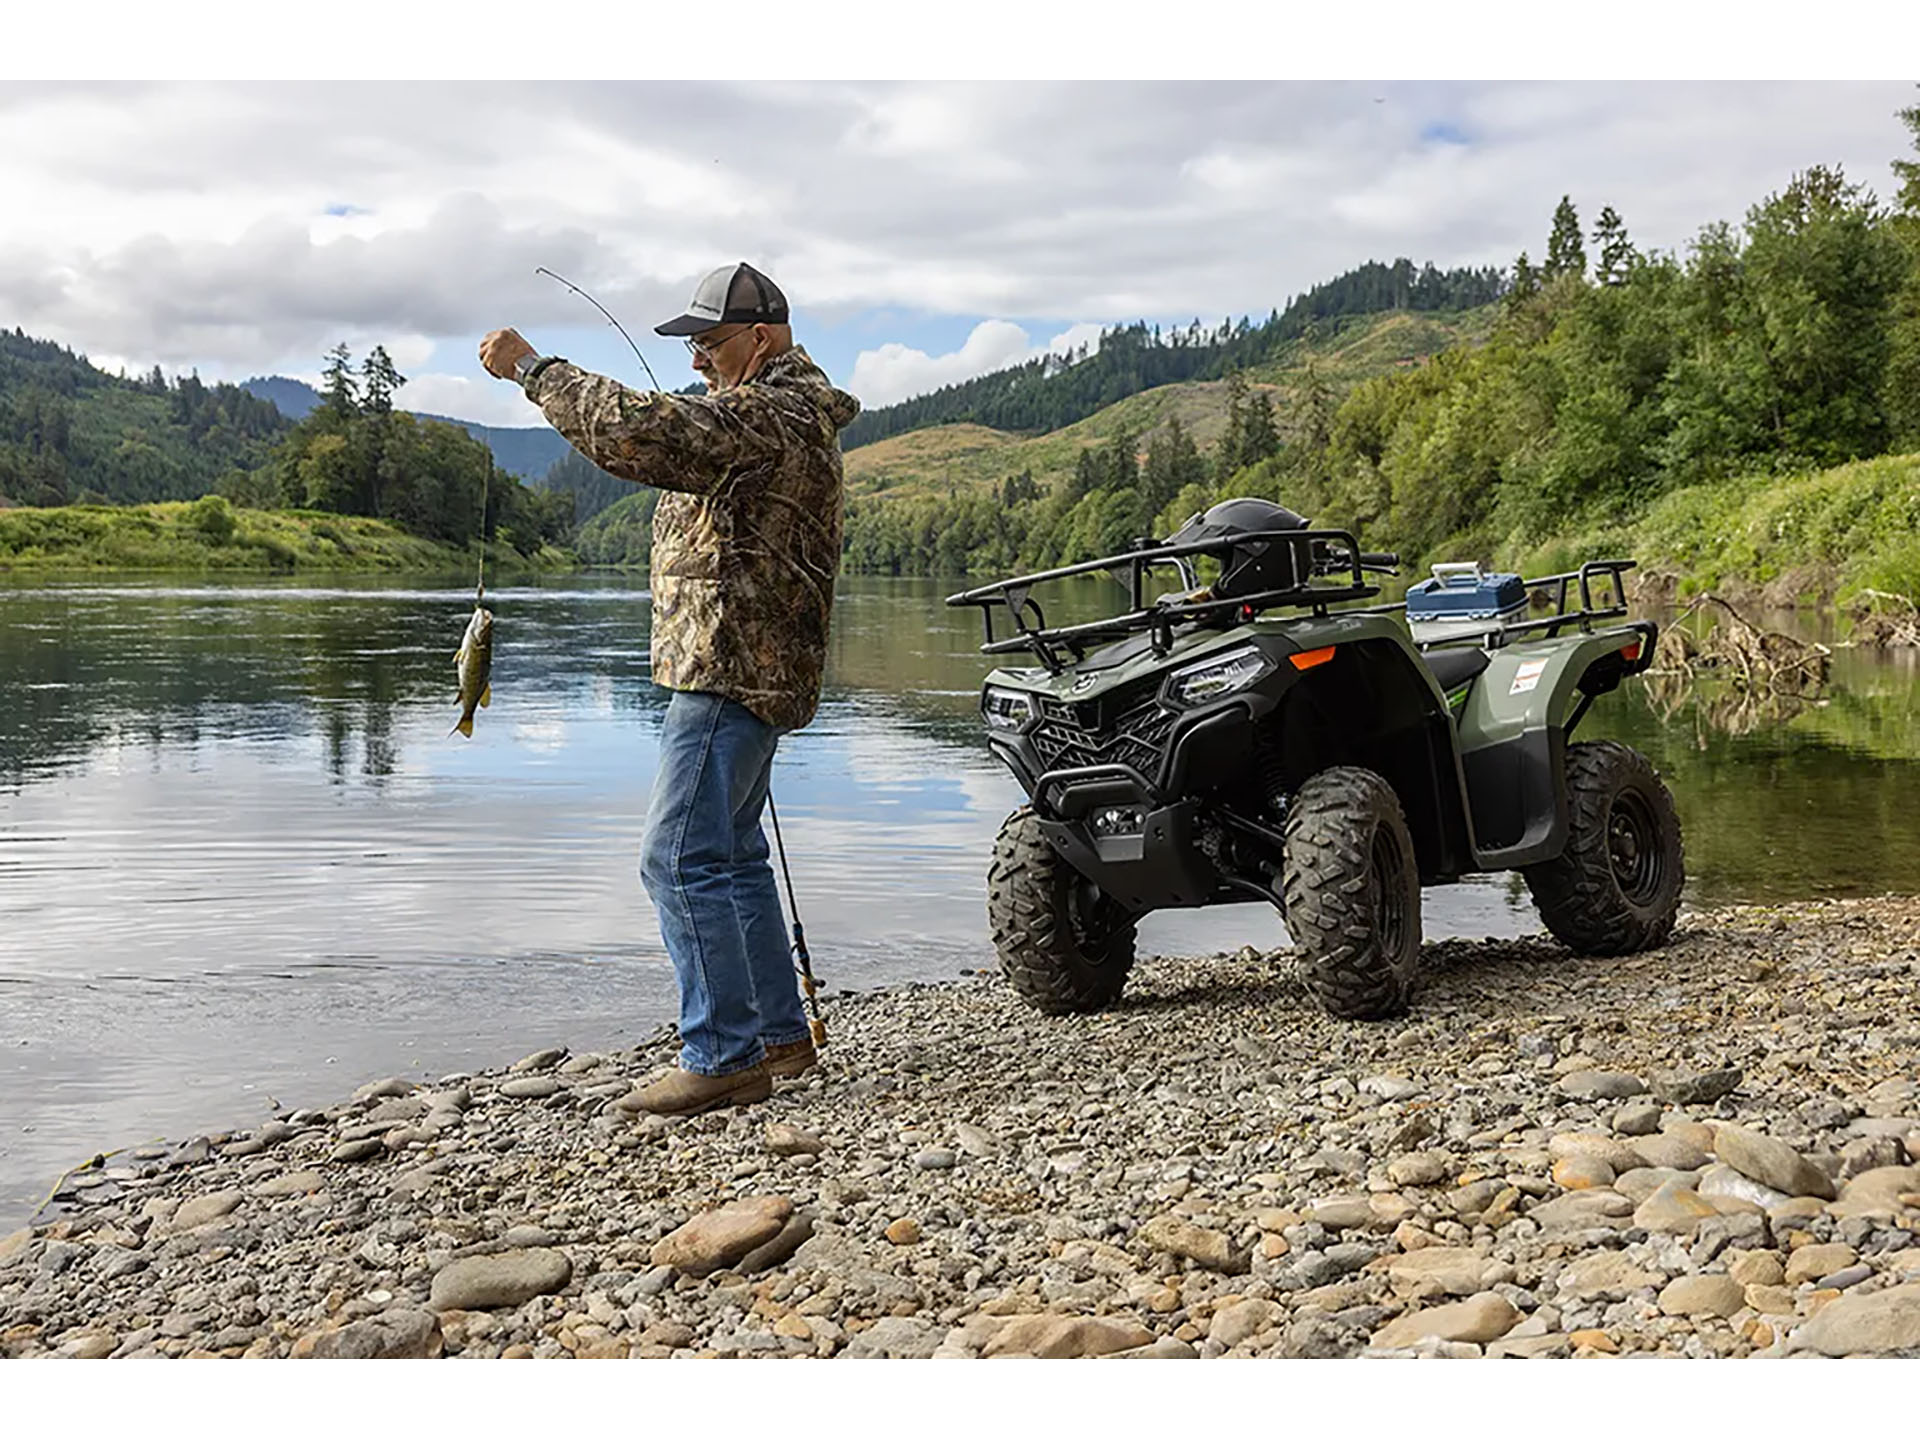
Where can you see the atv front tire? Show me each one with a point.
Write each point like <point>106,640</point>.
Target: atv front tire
<point>1615,889</point>
<point>1064,945</point>
<point>1352,883</point>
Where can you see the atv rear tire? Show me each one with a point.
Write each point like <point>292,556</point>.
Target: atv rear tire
<point>1615,889</point>
<point>1064,945</point>
<point>1352,883</point>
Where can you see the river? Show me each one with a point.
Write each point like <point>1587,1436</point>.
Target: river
<point>242,864</point>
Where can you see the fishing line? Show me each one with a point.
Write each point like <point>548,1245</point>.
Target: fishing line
<point>542,270</point>
<point>816,1026</point>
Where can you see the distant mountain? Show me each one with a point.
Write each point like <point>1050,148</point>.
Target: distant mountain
<point>527,451</point>
<point>293,398</point>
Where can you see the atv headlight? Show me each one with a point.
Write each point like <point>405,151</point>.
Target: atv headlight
<point>1222,675</point>
<point>1006,709</point>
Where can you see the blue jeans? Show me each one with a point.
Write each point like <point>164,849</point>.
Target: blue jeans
<point>704,862</point>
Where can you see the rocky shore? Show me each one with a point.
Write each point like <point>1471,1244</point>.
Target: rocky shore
<point>1713,1150</point>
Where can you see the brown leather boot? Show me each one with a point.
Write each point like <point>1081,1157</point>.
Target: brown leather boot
<point>681,1092</point>
<point>786,1062</point>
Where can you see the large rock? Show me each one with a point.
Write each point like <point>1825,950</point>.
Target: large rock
<point>390,1335</point>
<point>294,1182</point>
<point>205,1209</point>
<point>1875,1194</point>
<point>896,1337</point>
<point>1242,1321</point>
<point>1483,1318</point>
<point>1204,1247</point>
<point>1673,1209</point>
<point>1600,1085</point>
<point>1605,1274</point>
<point>1618,1154</point>
<point>1584,1210</point>
<point>1670,1151</point>
<point>1816,1262</point>
<point>1772,1162</point>
<point>1719,1295</point>
<point>1886,1322</point>
<point>1443,1270</point>
<point>1722,1181</point>
<point>487,1282</point>
<point>795,1233</point>
<point>716,1239</point>
<point>1695,1087</point>
<point>785,1139</point>
<point>1064,1337</point>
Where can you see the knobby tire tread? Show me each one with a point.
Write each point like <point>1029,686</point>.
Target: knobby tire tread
<point>1331,823</point>
<point>1033,930</point>
<point>1578,897</point>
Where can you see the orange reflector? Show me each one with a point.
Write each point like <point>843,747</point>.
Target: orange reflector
<point>1631,652</point>
<point>1307,659</point>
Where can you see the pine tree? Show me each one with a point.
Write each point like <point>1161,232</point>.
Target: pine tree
<point>1526,281</point>
<point>1616,250</point>
<point>1564,253</point>
<point>1260,438</point>
<point>341,399</point>
<point>380,379</point>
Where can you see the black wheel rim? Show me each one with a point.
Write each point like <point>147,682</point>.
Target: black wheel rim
<point>1095,916</point>
<point>1633,847</point>
<point>1389,884</point>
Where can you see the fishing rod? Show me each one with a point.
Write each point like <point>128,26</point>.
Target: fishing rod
<point>803,960</point>
<point>542,270</point>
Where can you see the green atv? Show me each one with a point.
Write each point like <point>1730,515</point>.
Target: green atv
<point>1265,735</point>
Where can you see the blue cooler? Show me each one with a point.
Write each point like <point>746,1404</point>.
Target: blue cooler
<point>1462,600</point>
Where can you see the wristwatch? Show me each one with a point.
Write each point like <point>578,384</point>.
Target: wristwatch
<point>528,366</point>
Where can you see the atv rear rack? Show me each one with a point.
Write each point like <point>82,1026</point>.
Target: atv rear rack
<point>1334,553</point>
<point>1497,635</point>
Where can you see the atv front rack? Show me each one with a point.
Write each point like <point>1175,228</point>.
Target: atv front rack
<point>1333,554</point>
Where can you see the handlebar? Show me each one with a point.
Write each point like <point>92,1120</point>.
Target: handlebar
<point>1378,560</point>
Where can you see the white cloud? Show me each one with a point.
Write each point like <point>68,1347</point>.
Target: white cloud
<point>487,401</point>
<point>895,372</point>
<point>241,227</point>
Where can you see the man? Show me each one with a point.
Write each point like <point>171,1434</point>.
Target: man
<point>746,543</point>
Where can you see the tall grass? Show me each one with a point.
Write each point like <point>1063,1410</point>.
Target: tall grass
<point>208,535</point>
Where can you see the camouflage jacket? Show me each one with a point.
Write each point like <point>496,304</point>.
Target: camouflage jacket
<point>746,540</point>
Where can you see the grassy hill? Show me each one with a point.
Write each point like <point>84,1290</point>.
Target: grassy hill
<point>960,457</point>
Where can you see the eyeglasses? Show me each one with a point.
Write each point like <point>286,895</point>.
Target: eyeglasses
<point>707,348</point>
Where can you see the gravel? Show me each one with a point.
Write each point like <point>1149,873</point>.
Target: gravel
<point>1713,1150</point>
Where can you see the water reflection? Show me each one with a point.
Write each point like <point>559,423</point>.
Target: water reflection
<point>240,856</point>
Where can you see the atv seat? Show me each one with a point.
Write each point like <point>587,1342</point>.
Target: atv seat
<point>1455,665</point>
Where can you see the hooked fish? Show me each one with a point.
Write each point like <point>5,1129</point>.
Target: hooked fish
<point>473,663</point>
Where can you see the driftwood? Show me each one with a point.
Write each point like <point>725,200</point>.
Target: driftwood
<point>1737,675</point>
<point>1883,618</point>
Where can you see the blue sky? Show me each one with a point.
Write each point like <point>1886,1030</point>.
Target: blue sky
<point>924,232</point>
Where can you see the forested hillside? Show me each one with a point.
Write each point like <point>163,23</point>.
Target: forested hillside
<point>70,432</point>
<point>1786,344</point>
<point>1054,391</point>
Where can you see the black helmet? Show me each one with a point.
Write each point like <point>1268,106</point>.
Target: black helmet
<point>1256,565</point>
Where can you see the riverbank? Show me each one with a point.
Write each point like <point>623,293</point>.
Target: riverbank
<point>1710,1150</point>
<point>210,536</point>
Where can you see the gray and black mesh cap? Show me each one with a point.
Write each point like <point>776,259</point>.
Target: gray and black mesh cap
<point>731,295</point>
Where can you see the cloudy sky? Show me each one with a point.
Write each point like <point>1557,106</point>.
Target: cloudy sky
<point>924,232</point>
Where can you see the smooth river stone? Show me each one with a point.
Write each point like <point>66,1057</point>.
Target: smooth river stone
<point>1887,1321</point>
<point>1772,1162</point>
<point>530,1087</point>
<point>715,1239</point>
<point>1483,1318</point>
<point>487,1282</point>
